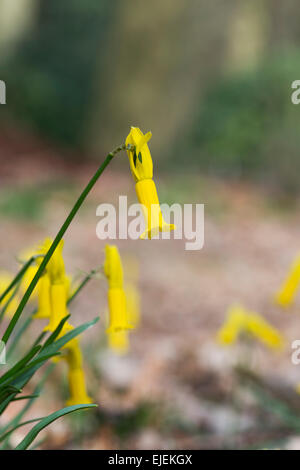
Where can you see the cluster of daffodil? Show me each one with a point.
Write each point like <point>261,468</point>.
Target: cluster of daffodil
<point>52,290</point>
<point>241,322</point>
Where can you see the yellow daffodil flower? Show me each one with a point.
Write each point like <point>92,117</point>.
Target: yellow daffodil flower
<point>76,377</point>
<point>44,299</point>
<point>262,330</point>
<point>5,280</point>
<point>241,321</point>
<point>31,271</point>
<point>118,341</point>
<point>59,286</point>
<point>287,293</point>
<point>141,166</point>
<point>232,327</point>
<point>77,387</point>
<point>113,271</point>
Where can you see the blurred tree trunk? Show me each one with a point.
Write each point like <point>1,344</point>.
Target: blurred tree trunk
<point>16,18</point>
<point>160,58</point>
<point>247,35</point>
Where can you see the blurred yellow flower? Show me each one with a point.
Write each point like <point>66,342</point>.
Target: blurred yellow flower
<point>59,287</point>
<point>77,387</point>
<point>240,321</point>
<point>44,300</point>
<point>141,166</point>
<point>31,271</point>
<point>5,280</point>
<point>113,270</point>
<point>76,377</point>
<point>133,304</point>
<point>234,324</point>
<point>287,292</point>
<point>118,341</point>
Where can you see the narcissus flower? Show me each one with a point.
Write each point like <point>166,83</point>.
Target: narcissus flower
<point>141,166</point>
<point>234,324</point>
<point>5,280</point>
<point>113,270</point>
<point>44,299</point>
<point>287,293</point>
<point>77,386</point>
<point>76,377</point>
<point>240,321</point>
<point>58,290</point>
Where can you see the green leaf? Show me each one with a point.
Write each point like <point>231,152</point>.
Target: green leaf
<point>49,351</point>
<point>56,332</point>
<point>26,397</point>
<point>58,344</point>
<point>16,420</point>
<point>8,433</point>
<point>22,376</point>
<point>19,365</point>
<point>25,443</point>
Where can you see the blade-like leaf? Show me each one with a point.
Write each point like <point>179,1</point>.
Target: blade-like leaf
<point>20,364</point>
<point>8,433</point>
<point>56,332</point>
<point>48,420</point>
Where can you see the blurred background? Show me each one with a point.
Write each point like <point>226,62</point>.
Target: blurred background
<point>212,81</point>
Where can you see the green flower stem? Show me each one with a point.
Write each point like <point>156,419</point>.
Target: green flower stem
<point>56,241</point>
<point>82,284</point>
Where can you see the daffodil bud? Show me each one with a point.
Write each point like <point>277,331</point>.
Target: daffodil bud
<point>141,166</point>
<point>287,293</point>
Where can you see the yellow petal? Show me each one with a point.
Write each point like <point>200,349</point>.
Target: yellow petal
<point>148,198</point>
<point>287,293</point>
<point>141,169</point>
<point>77,386</point>
<point>113,268</point>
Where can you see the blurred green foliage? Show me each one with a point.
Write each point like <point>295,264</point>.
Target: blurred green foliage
<point>248,127</point>
<point>57,63</point>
